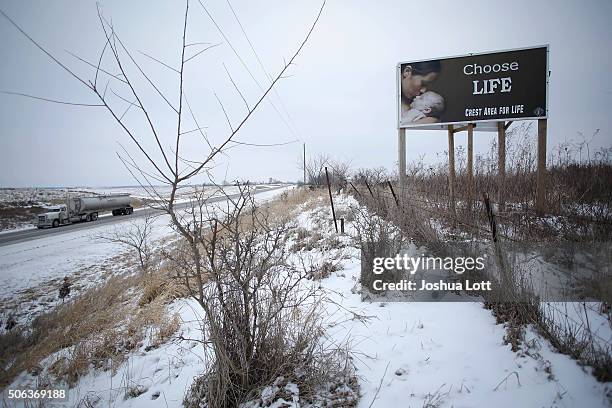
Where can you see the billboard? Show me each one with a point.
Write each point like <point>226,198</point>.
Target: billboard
<point>475,88</point>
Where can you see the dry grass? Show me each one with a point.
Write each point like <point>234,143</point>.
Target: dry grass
<point>160,284</point>
<point>581,202</point>
<point>95,330</point>
<point>98,329</point>
<point>11,217</point>
<point>262,316</point>
<point>289,203</point>
<point>69,325</point>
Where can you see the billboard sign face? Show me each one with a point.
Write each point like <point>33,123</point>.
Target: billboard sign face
<point>476,88</point>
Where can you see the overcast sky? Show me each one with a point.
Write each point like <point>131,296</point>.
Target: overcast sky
<point>339,100</point>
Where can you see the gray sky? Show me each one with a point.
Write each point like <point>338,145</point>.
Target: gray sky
<point>340,98</point>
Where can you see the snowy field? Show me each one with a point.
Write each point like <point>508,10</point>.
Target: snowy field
<point>407,354</point>
<point>19,206</point>
<point>31,272</point>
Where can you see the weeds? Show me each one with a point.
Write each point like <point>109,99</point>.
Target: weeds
<point>88,332</point>
<point>581,217</point>
<point>262,316</point>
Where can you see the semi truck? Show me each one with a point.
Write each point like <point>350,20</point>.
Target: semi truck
<point>79,209</point>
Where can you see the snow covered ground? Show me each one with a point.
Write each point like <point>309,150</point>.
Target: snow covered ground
<point>452,353</point>
<point>18,227</point>
<point>19,206</point>
<point>31,272</point>
<point>415,354</point>
<point>407,354</point>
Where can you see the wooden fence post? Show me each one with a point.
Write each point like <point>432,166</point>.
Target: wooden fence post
<point>393,192</point>
<point>368,186</point>
<point>331,200</point>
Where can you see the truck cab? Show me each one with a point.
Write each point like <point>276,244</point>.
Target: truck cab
<point>54,217</point>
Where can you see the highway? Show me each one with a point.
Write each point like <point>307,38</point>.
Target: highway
<point>9,238</point>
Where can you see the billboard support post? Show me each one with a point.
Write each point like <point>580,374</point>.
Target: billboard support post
<point>541,177</point>
<point>501,163</point>
<point>402,158</point>
<point>476,92</point>
<point>451,173</point>
<point>470,164</point>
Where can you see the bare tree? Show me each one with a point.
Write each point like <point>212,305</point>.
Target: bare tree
<point>252,297</point>
<point>315,169</point>
<point>340,174</point>
<point>229,259</point>
<point>172,169</point>
<point>136,235</point>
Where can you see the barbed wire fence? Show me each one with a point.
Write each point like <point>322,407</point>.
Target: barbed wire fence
<point>578,334</point>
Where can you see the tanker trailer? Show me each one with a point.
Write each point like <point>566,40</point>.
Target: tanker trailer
<point>79,209</point>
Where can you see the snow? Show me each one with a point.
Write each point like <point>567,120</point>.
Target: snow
<point>24,198</point>
<point>163,374</point>
<point>453,347</point>
<point>407,354</point>
<point>18,227</point>
<point>31,272</point>
<point>450,352</point>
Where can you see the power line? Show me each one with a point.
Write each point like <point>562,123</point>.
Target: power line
<point>261,88</point>
<point>262,67</point>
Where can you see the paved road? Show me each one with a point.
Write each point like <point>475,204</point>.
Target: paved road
<point>31,234</point>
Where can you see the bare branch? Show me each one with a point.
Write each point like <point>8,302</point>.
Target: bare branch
<point>180,109</point>
<point>280,100</point>
<point>196,43</point>
<point>236,88</point>
<point>158,61</point>
<point>40,47</point>
<point>105,89</point>
<point>145,174</point>
<point>115,36</point>
<point>95,84</point>
<point>265,144</point>
<point>263,96</point>
<point>201,51</point>
<point>117,77</point>
<point>196,122</point>
<point>127,109</point>
<point>186,132</point>
<point>51,100</point>
<point>152,127</point>
<point>261,88</point>
<point>125,100</point>
<point>225,113</point>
